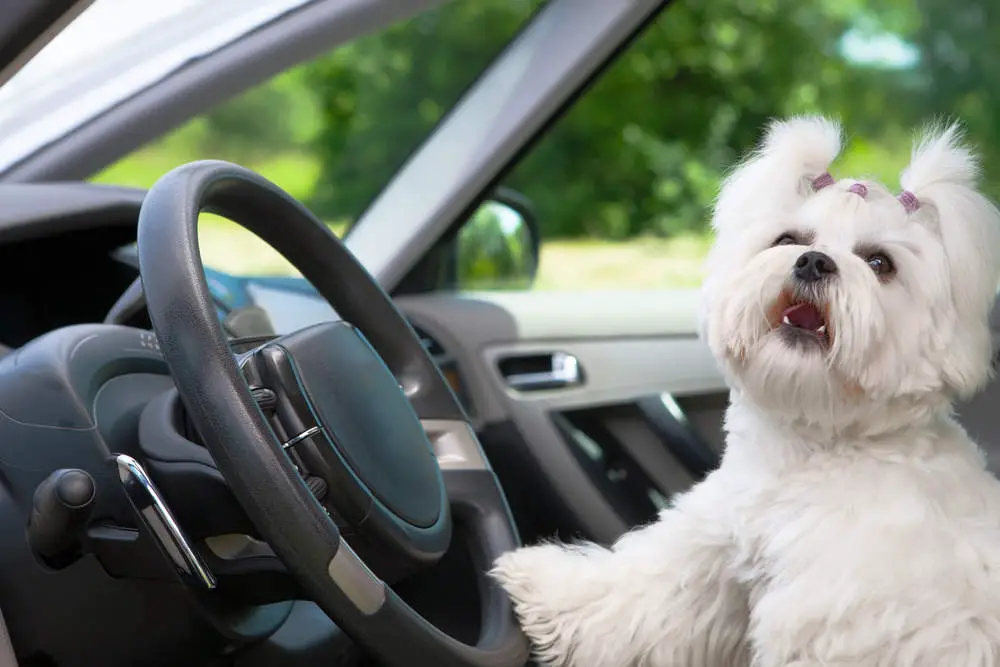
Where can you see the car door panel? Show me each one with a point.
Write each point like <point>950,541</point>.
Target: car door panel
<point>640,423</point>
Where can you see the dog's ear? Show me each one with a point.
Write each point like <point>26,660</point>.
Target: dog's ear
<point>779,173</point>
<point>940,191</point>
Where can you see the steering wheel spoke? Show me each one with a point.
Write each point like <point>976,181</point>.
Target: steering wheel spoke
<point>356,403</point>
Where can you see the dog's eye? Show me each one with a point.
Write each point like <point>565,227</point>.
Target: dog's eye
<point>880,264</point>
<point>786,239</point>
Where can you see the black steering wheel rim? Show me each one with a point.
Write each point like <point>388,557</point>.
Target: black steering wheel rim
<point>248,452</point>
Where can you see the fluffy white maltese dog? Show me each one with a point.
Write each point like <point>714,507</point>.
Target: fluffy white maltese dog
<point>852,522</point>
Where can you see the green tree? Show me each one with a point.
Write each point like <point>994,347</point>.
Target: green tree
<point>383,94</point>
<point>642,152</point>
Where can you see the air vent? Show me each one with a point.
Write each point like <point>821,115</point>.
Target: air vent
<point>447,365</point>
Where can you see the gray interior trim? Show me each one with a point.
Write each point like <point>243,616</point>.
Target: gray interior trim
<point>295,37</point>
<point>7,656</point>
<point>355,580</point>
<point>617,370</point>
<point>537,74</point>
<point>455,445</point>
<point>629,347</point>
<point>234,546</point>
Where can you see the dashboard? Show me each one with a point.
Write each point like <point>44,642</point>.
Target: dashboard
<point>68,253</point>
<point>586,458</point>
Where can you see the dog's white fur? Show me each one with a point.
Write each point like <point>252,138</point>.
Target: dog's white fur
<point>852,521</point>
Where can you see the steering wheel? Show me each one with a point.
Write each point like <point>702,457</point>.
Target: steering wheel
<point>357,403</point>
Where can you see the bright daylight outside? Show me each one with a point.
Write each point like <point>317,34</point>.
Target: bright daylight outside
<point>623,182</point>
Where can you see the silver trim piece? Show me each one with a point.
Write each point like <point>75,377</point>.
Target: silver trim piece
<point>565,372</point>
<point>673,408</point>
<point>7,656</point>
<point>153,511</point>
<point>233,546</point>
<point>308,433</point>
<point>355,580</point>
<point>455,445</point>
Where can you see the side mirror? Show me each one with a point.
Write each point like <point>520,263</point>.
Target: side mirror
<point>498,247</point>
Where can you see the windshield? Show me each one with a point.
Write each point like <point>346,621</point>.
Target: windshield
<point>114,49</point>
<point>332,131</point>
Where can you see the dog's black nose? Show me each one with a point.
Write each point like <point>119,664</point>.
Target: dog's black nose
<point>813,266</point>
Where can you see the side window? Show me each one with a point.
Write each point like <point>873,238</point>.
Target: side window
<point>623,184</point>
<point>334,130</point>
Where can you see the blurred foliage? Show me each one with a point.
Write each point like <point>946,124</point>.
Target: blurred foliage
<point>381,95</point>
<point>641,153</point>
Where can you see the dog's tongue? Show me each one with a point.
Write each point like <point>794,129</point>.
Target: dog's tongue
<point>803,316</point>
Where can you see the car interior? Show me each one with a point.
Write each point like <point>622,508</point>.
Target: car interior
<point>202,468</point>
<point>572,413</point>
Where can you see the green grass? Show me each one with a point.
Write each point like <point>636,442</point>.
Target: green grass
<point>645,263</point>
<point>565,265</point>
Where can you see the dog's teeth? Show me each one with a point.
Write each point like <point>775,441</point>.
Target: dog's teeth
<point>822,329</point>
<point>786,320</point>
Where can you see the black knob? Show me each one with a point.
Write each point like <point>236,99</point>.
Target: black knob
<point>60,510</point>
<point>266,399</point>
<point>317,486</point>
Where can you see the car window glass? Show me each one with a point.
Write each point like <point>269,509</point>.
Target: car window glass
<point>333,131</point>
<point>622,185</point>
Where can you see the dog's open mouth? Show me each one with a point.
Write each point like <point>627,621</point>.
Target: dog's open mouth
<point>804,316</point>
<point>801,320</point>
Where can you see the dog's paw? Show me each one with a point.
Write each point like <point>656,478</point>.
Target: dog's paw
<point>551,589</point>
<point>524,573</point>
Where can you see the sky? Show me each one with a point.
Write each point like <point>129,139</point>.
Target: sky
<point>880,50</point>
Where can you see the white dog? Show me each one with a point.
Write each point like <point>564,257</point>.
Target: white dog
<point>852,521</point>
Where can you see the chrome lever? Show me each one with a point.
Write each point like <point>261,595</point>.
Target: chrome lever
<point>565,372</point>
<point>153,511</point>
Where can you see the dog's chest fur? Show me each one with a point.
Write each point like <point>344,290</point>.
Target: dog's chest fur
<point>839,551</point>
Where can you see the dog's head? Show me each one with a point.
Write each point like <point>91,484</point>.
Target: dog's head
<point>824,296</point>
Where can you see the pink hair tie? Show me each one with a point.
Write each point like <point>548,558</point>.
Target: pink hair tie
<point>909,201</point>
<point>859,189</point>
<point>822,181</point>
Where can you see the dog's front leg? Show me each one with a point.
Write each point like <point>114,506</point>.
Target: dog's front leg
<point>663,596</point>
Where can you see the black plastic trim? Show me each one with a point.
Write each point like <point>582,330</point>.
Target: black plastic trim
<point>682,441</point>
